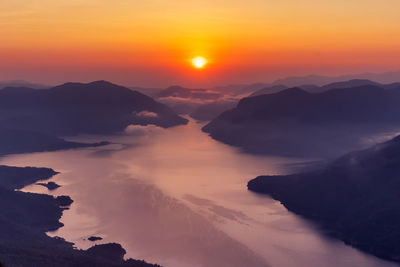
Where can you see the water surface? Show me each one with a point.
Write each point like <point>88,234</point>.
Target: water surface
<point>178,198</point>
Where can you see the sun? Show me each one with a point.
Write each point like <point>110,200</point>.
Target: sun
<point>199,62</point>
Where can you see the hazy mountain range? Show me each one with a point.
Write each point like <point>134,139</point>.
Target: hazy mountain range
<point>190,101</point>
<point>318,89</point>
<point>294,121</point>
<point>22,83</point>
<point>72,108</point>
<point>200,104</point>
<point>33,120</point>
<point>320,80</point>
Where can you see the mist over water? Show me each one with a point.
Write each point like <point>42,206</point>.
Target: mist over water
<point>178,198</point>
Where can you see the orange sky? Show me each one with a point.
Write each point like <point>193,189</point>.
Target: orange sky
<point>151,42</point>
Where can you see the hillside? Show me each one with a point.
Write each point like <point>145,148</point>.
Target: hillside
<point>74,108</point>
<point>355,197</point>
<point>297,122</point>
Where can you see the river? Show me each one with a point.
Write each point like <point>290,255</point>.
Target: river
<point>178,198</point>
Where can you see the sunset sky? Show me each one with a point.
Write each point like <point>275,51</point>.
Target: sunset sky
<point>153,42</point>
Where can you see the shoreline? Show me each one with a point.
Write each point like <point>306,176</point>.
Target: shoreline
<point>25,241</point>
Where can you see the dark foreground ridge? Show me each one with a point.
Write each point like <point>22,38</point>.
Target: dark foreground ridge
<point>356,197</point>
<point>26,217</point>
<point>295,122</point>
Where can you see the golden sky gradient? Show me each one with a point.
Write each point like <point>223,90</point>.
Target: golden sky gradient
<point>152,42</point>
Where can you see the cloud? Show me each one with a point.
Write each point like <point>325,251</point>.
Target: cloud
<point>146,114</point>
<point>141,130</point>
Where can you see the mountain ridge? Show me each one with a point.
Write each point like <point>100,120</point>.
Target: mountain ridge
<point>355,197</point>
<point>294,120</point>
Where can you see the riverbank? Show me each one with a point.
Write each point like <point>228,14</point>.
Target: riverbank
<point>26,217</point>
<point>355,198</point>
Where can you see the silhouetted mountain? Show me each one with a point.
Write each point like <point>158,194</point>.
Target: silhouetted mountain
<point>277,88</point>
<point>318,89</point>
<point>350,84</point>
<point>269,90</point>
<point>25,218</point>
<point>320,80</point>
<point>73,108</point>
<point>21,83</point>
<point>356,197</point>
<point>359,82</point>
<point>296,122</point>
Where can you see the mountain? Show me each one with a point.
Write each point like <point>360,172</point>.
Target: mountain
<point>350,84</point>
<point>22,83</point>
<point>269,90</point>
<point>356,197</point>
<point>73,108</point>
<point>318,89</point>
<point>277,88</point>
<point>25,218</point>
<point>296,122</point>
<point>320,80</point>
<point>306,83</point>
<point>357,83</point>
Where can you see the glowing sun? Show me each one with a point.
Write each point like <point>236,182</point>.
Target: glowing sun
<point>199,62</point>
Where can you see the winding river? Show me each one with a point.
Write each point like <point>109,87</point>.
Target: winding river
<point>178,198</point>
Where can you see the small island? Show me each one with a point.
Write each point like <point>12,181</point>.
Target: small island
<point>50,185</point>
<point>95,238</point>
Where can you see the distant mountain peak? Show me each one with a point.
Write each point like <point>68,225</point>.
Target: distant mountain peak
<point>350,83</point>
<point>293,91</point>
<point>94,83</point>
<point>102,83</point>
<point>99,87</point>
